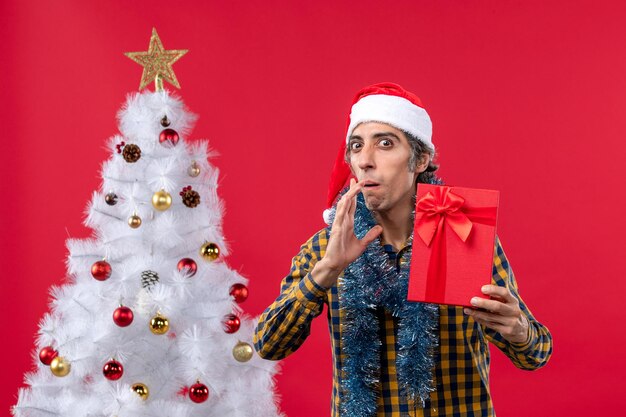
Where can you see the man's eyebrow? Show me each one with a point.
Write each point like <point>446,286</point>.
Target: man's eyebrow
<point>377,135</point>
<point>385,134</point>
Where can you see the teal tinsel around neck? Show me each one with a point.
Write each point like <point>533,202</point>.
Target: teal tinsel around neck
<point>369,283</point>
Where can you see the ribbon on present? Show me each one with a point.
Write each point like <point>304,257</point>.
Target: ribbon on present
<point>435,210</point>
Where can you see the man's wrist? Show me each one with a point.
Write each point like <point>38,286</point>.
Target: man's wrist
<point>523,337</point>
<point>324,274</point>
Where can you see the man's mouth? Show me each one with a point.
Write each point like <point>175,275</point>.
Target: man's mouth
<point>370,184</point>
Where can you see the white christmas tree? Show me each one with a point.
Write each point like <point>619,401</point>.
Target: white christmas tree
<point>149,323</point>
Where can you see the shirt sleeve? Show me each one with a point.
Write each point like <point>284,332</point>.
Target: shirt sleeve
<point>537,349</point>
<point>284,325</point>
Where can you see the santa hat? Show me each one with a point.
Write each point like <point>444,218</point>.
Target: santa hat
<point>384,103</point>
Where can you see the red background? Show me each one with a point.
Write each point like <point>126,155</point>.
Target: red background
<point>526,97</point>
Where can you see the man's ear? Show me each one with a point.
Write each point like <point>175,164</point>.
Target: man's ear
<point>423,163</point>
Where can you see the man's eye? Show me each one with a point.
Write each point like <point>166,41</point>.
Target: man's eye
<point>386,142</point>
<point>355,145</point>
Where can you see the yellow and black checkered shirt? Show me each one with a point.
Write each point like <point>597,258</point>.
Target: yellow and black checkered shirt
<point>462,359</point>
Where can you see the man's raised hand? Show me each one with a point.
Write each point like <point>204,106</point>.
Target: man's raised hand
<point>343,246</point>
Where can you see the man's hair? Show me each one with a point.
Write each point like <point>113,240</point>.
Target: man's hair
<point>418,151</point>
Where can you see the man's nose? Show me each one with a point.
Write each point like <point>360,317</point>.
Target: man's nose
<point>366,158</point>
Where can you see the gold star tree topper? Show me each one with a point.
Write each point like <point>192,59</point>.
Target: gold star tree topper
<point>157,63</point>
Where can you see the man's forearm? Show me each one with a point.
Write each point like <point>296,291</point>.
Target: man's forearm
<point>284,325</point>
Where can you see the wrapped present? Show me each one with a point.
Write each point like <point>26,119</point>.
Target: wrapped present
<point>453,242</point>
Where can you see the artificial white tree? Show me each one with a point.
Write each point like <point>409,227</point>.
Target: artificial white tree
<point>149,323</point>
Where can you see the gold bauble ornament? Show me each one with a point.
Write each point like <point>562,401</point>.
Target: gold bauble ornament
<point>243,352</point>
<point>161,200</point>
<point>210,251</point>
<point>159,324</point>
<point>194,169</point>
<point>141,390</point>
<point>60,366</point>
<point>134,221</point>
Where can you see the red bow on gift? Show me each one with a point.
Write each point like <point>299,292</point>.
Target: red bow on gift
<point>433,212</point>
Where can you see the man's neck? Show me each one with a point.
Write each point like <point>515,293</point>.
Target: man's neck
<point>397,225</point>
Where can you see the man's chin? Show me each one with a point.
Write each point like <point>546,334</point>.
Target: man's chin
<point>374,204</point>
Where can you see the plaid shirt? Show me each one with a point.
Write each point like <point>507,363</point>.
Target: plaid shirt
<point>462,359</point>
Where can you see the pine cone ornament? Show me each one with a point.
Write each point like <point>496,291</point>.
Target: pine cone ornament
<point>131,153</point>
<point>191,198</point>
<point>149,278</point>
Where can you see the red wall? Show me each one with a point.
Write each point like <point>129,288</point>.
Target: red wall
<point>526,97</point>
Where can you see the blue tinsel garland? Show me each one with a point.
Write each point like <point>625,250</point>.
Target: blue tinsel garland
<point>369,282</point>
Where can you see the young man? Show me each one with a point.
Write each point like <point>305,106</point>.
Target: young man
<point>393,357</point>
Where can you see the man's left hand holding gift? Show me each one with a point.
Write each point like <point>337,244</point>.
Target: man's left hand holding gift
<point>500,313</point>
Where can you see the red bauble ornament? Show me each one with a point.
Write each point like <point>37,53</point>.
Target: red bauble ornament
<point>188,266</point>
<point>113,370</point>
<point>123,316</point>
<point>101,270</point>
<point>198,393</point>
<point>239,292</point>
<point>231,323</point>
<point>46,355</point>
<point>168,138</point>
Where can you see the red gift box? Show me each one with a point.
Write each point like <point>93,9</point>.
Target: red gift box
<point>453,243</point>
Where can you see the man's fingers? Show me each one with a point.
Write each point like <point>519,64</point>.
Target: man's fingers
<point>351,208</point>
<point>347,201</point>
<point>372,234</point>
<point>343,204</point>
<point>497,291</point>
<point>340,212</point>
<point>485,318</point>
<point>493,306</point>
<point>355,188</point>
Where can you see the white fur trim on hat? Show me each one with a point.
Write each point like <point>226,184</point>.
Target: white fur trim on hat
<point>395,111</point>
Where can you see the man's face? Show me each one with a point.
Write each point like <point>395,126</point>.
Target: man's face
<point>379,155</point>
